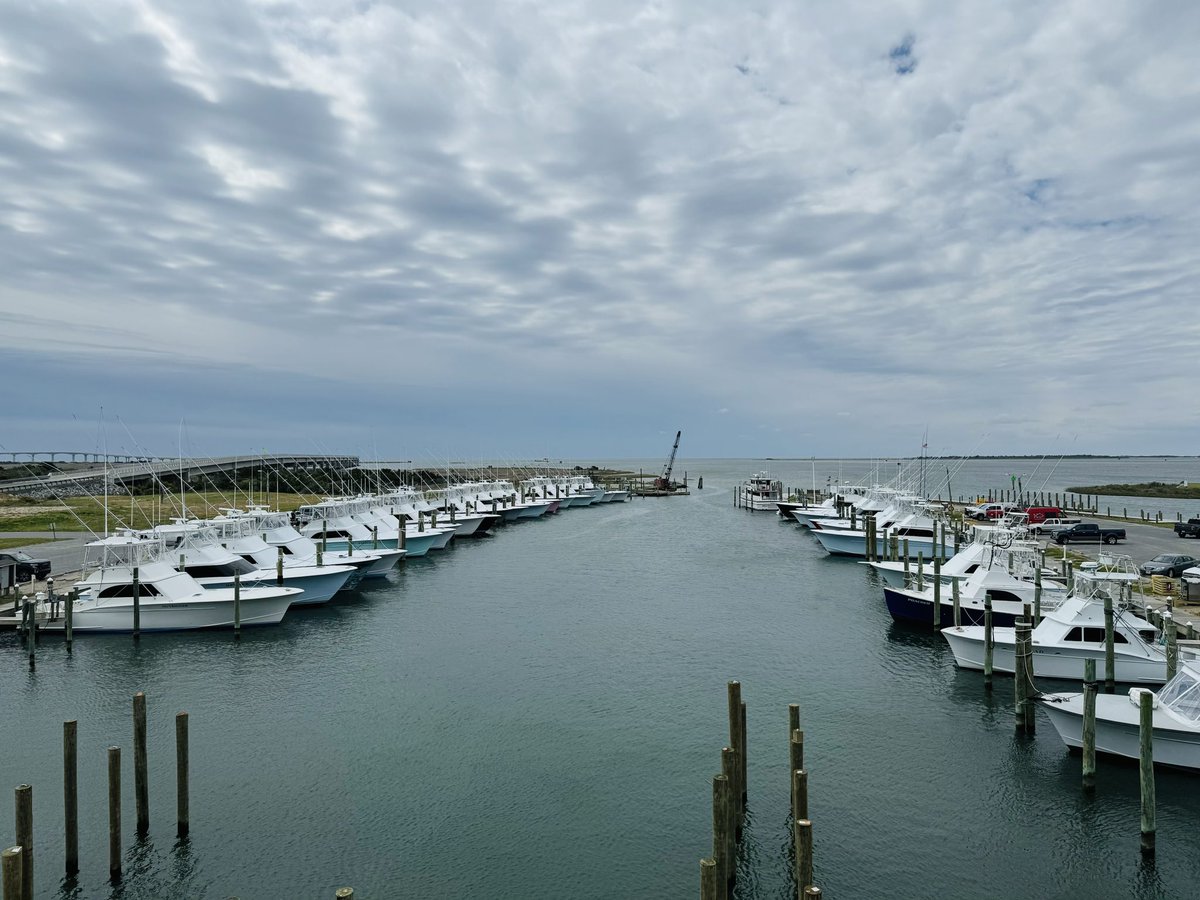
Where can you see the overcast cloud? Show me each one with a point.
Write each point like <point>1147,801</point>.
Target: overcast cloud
<point>564,228</point>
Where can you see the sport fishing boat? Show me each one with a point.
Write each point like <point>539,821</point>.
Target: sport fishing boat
<point>167,600</point>
<point>1175,721</point>
<point>996,575</point>
<point>331,524</point>
<point>1074,632</point>
<point>197,548</point>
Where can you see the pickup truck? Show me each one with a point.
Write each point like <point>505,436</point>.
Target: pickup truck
<point>1088,532</point>
<point>28,568</point>
<point>1050,526</point>
<point>1190,528</point>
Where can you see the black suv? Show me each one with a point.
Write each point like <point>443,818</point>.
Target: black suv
<point>28,568</point>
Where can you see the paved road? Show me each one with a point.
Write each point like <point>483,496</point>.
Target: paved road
<point>65,554</point>
<point>1143,542</point>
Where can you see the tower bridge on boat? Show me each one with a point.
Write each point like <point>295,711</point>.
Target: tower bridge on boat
<point>119,468</point>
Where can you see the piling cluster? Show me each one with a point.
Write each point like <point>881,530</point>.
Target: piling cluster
<point>18,861</point>
<point>718,872</point>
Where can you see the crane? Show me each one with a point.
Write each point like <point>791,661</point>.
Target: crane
<point>663,482</point>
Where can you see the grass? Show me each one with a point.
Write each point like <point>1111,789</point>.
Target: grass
<point>1190,491</point>
<point>9,543</point>
<point>74,514</point>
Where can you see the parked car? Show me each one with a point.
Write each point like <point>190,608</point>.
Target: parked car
<point>1088,532</point>
<point>1168,564</point>
<point>28,568</point>
<point>1050,526</point>
<point>988,510</point>
<point>1188,529</point>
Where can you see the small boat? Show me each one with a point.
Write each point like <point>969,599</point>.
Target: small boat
<point>1175,720</point>
<point>760,493</point>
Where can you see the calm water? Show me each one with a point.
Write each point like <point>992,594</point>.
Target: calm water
<point>539,714</point>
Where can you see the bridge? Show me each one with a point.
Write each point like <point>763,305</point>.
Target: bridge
<point>151,467</point>
<point>75,456</point>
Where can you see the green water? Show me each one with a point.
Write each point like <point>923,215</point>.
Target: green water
<point>538,715</point>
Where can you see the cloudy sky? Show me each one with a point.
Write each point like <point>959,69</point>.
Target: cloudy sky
<point>567,228</point>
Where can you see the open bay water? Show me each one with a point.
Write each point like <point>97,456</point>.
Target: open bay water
<point>539,714</point>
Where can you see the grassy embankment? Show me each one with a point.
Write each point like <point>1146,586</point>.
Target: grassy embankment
<point>1161,489</point>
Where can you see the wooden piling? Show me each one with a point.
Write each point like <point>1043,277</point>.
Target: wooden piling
<point>729,767</point>
<point>1089,724</point>
<point>24,809</point>
<point>721,821</point>
<point>804,850</point>
<point>800,794</point>
<point>237,606</point>
<point>1146,769</point>
<point>734,694</point>
<point>10,861</point>
<point>1037,596</point>
<point>812,892</point>
<point>141,788</point>
<point>1172,645</point>
<point>920,570</point>
<point>906,551</point>
<point>70,797</point>
<point>937,594</point>
<point>279,567</point>
<point>31,633</point>
<point>710,887</point>
<point>114,812</point>
<point>957,607</point>
<point>987,640</point>
<point>1018,679</point>
<point>1110,659</point>
<point>345,893</point>
<point>796,749</point>
<point>69,620</point>
<point>742,757</point>
<point>182,812</point>
<point>137,605</point>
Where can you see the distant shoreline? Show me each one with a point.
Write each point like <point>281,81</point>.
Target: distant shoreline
<point>1156,489</point>
<point>987,456</point>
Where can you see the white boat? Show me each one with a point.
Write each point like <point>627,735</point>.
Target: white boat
<point>918,529</point>
<point>801,512</point>
<point>331,524</point>
<point>1073,633</point>
<point>197,548</point>
<point>991,546</point>
<point>1175,720</point>
<point>760,493</point>
<point>1000,577</point>
<point>167,600</point>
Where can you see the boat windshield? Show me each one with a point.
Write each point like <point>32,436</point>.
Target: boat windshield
<point>1182,695</point>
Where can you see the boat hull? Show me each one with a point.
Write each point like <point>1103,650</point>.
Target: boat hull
<point>259,606</point>
<point>1117,730</point>
<point>847,542</point>
<point>1048,662</point>
<point>906,606</point>
<point>316,586</point>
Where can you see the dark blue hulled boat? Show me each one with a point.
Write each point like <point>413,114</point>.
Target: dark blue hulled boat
<point>1009,594</point>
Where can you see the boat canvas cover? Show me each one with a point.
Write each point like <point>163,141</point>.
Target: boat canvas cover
<point>1182,695</point>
